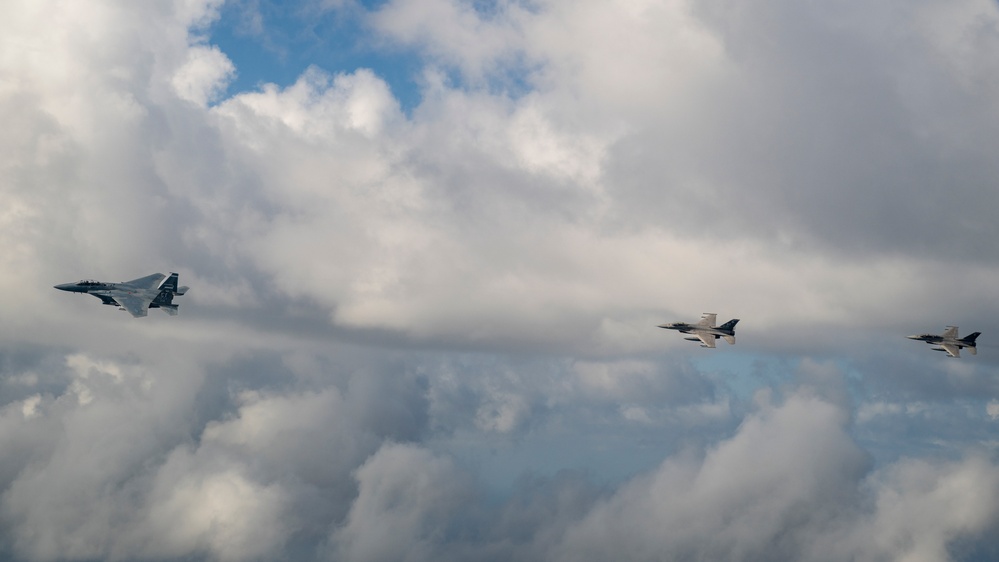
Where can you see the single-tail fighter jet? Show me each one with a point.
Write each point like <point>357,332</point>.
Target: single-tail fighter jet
<point>705,331</point>
<point>949,342</point>
<point>136,296</point>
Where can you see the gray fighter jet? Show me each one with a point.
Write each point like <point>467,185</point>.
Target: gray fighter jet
<point>949,342</point>
<point>705,330</point>
<point>136,296</point>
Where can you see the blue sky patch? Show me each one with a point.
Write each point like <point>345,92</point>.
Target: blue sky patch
<point>275,42</point>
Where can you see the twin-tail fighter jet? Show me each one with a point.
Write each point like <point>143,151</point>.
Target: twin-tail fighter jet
<point>136,296</point>
<point>949,342</point>
<point>705,331</point>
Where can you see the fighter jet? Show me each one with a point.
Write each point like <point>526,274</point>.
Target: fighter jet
<point>705,330</point>
<point>136,296</point>
<point>949,342</point>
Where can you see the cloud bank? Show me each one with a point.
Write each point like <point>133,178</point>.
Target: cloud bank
<point>428,334</point>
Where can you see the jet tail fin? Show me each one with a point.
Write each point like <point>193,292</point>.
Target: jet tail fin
<point>970,338</point>
<point>170,309</point>
<point>730,339</point>
<point>969,342</point>
<point>168,288</point>
<point>730,325</point>
<point>170,283</point>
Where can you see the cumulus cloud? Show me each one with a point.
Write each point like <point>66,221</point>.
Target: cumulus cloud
<point>577,202</point>
<point>203,77</point>
<point>221,512</point>
<point>789,483</point>
<point>992,409</point>
<point>407,500</point>
<point>429,334</point>
<point>748,498</point>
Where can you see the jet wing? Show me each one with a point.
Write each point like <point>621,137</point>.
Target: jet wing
<point>135,305</point>
<point>952,350</point>
<point>147,282</point>
<point>708,319</point>
<point>950,333</point>
<point>707,339</point>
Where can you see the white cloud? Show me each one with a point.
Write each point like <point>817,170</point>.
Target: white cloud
<point>607,187</point>
<point>203,78</point>
<point>747,497</point>
<point>576,173</point>
<point>406,501</point>
<point>30,406</point>
<point>222,512</point>
<point>992,409</point>
<point>317,108</point>
<point>454,31</point>
<point>791,485</point>
<point>922,506</point>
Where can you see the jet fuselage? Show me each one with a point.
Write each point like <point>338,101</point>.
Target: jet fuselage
<point>687,328</point>
<point>705,331</point>
<point>949,342</point>
<point>136,296</point>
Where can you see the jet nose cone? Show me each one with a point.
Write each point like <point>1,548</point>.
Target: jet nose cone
<point>71,287</point>
<point>913,337</point>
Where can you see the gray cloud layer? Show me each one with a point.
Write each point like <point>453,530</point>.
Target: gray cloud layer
<point>428,335</point>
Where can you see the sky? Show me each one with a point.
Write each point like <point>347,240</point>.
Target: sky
<point>428,244</point>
